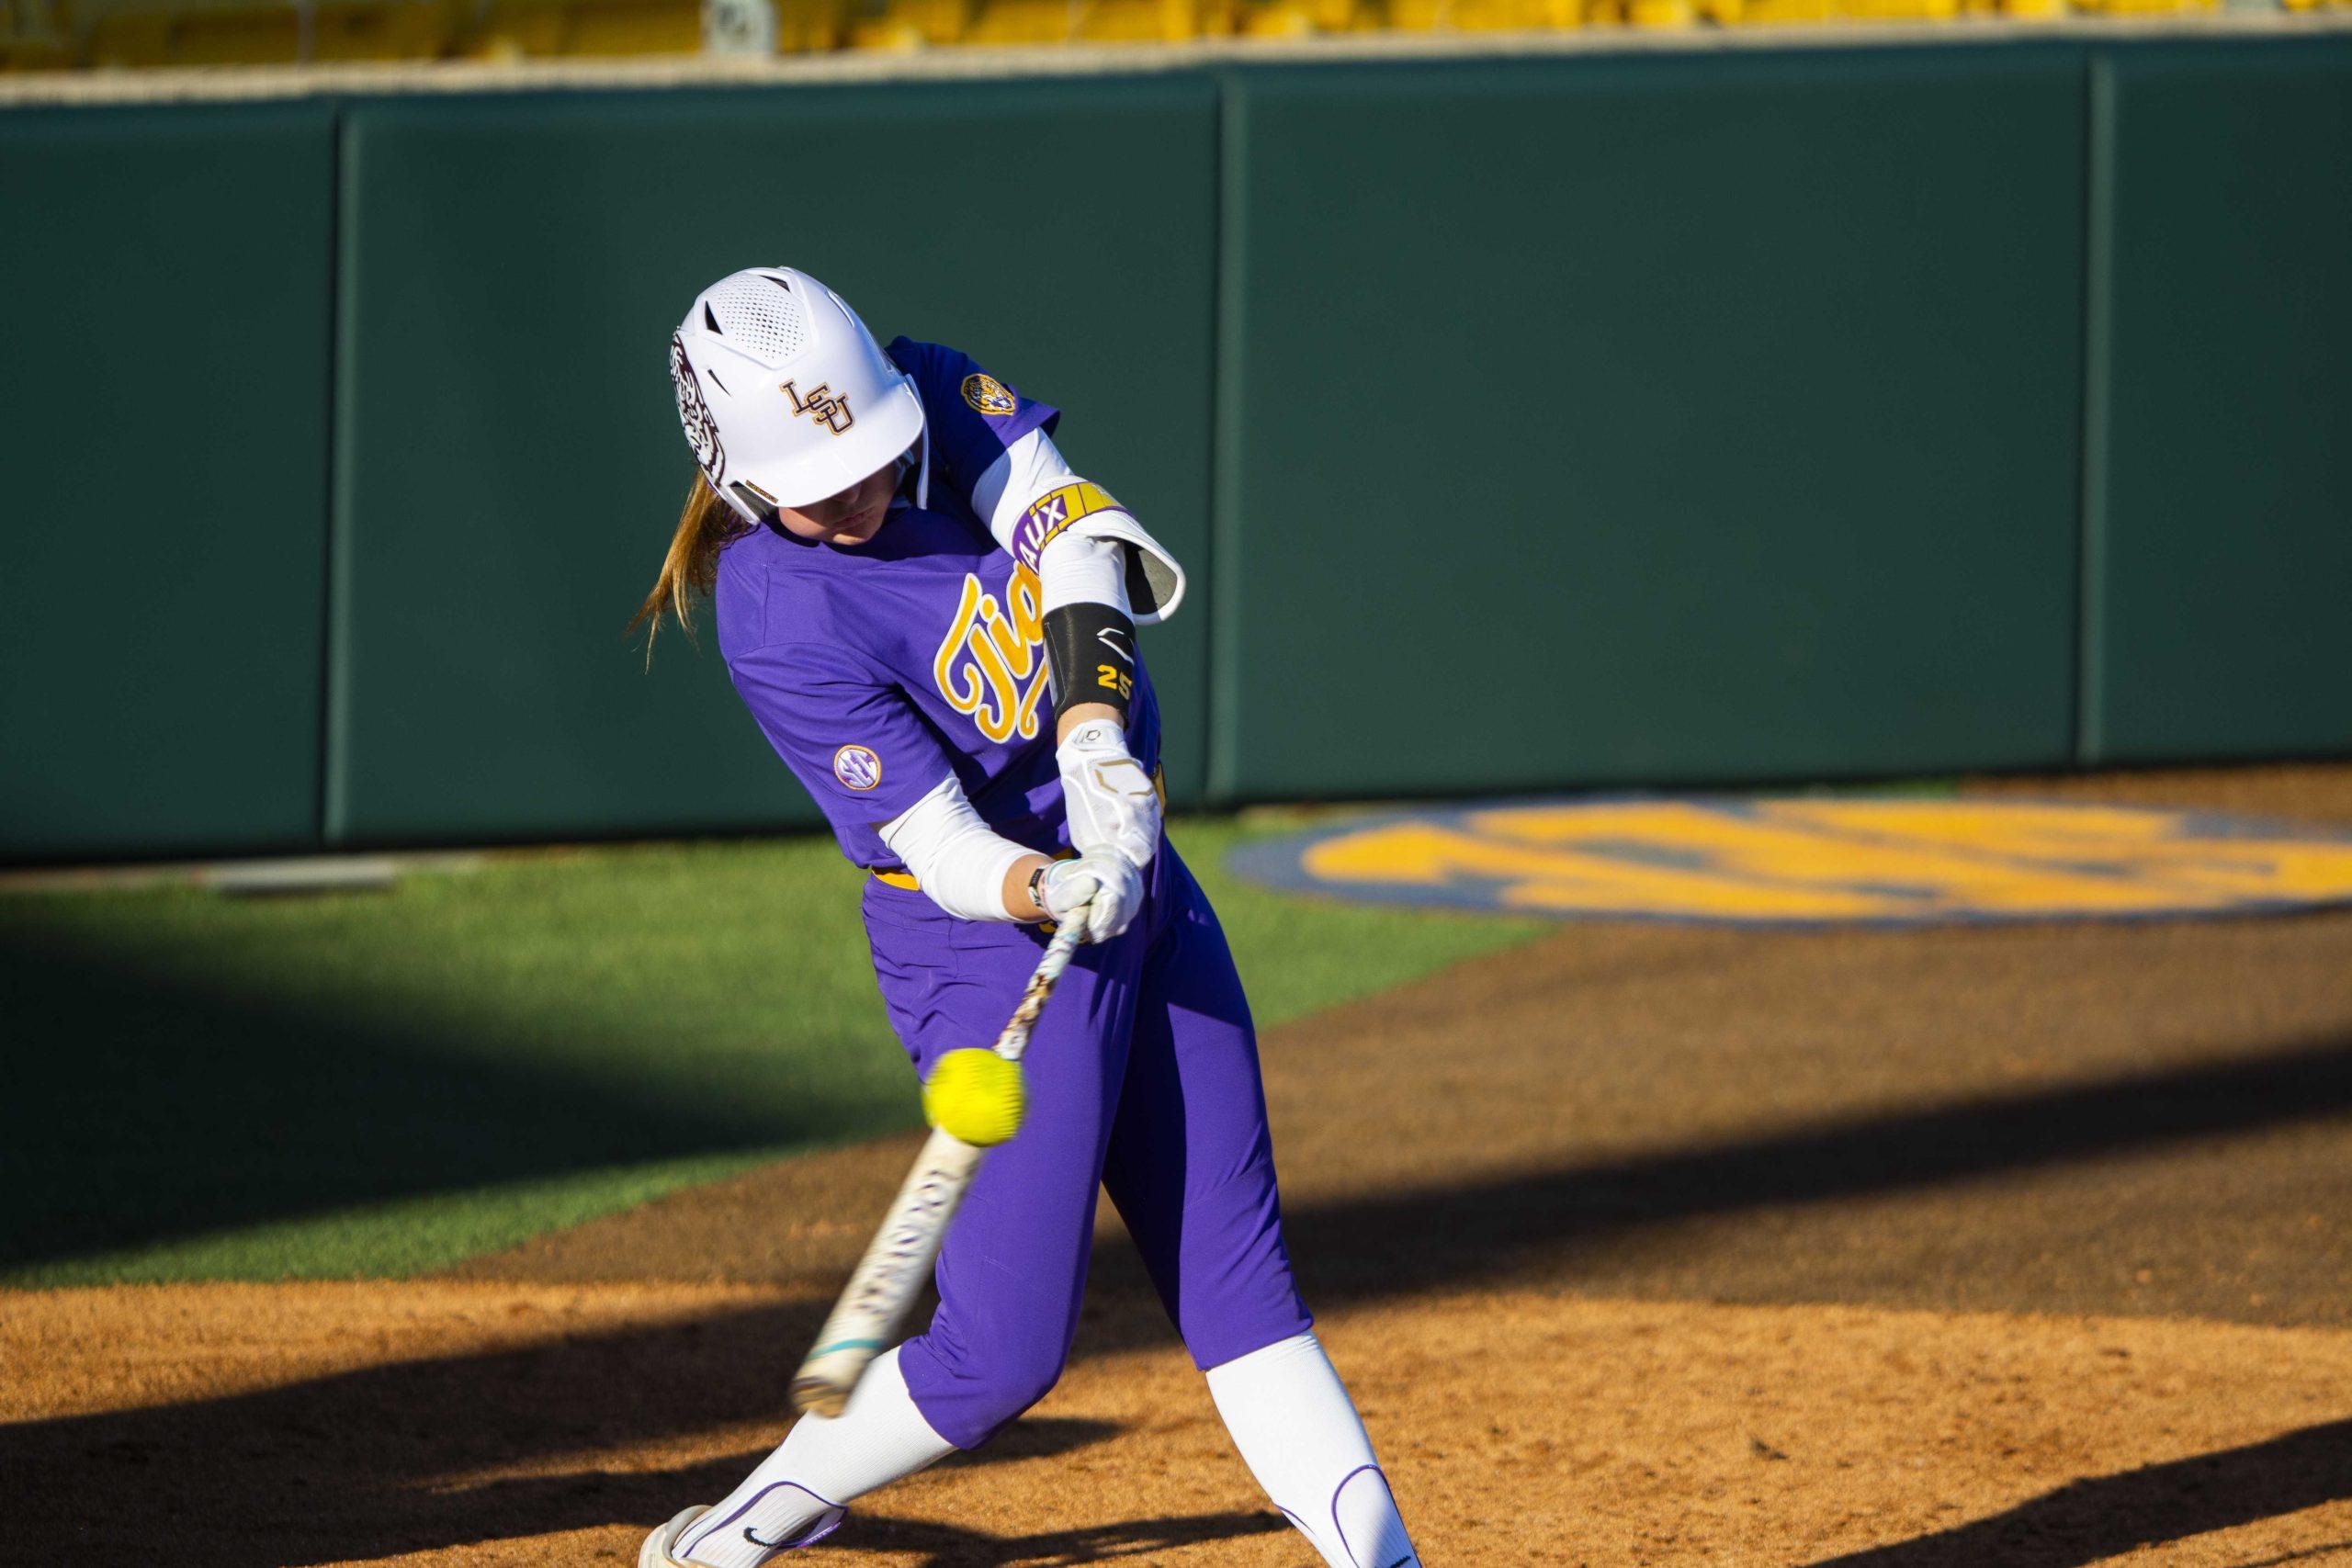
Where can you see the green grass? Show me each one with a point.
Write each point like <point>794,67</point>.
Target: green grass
<point>384,1083</point>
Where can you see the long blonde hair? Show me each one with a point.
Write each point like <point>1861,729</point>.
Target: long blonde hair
<point>706,524</point>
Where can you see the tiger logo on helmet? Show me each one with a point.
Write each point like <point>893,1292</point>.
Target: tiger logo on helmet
<point>693,415</point>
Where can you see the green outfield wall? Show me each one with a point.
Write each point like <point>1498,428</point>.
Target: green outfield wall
<point>163,394</point>
<point>1599,420</point>
<point>1646,419</point>
<point>2217,527</point>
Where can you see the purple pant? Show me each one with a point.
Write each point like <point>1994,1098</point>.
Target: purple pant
<point>1143,1076</point>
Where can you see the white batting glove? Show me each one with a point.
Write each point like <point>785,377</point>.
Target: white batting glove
<point>1111,803</point>
<point>1100,888</point>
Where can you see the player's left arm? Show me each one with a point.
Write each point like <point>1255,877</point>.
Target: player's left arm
<point>1100,575</point>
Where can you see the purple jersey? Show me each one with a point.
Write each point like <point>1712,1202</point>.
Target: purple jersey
<point>877,671</point>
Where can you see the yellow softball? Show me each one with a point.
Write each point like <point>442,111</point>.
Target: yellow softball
<point>975,1094</point>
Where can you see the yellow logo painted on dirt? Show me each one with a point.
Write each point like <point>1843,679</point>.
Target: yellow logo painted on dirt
<point>1803,861</point>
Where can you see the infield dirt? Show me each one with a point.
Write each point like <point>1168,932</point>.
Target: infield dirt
<point>1994,1246</point>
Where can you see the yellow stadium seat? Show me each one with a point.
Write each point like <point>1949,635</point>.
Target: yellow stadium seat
<point>30,39</point>
<point>634,27</point>
<point>1895,10</point>
<point>36,54</point>
<point>1648,12</point>
<point>1292,18</point>
<point>1138,21</point>
<point>1274,18</point>
<point>912,24</point>
<point>507,29</point>
<point>1765,13</point>
<point>805,26</point>
<point>1025,21</point>
<point>1503,16</point>
<point>137,39</point>
<point>247,35</point>
<point>513,28</point>
<point>402,30</point>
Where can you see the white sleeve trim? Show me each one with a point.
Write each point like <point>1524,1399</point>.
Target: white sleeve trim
<point>1032,467</point>
<point>956,858</point>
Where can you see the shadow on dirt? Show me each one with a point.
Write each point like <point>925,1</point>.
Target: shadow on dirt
<point>2090,1521</point>
<point>361,1464</point>
<point>408,1457</point>
<point>953,1547</point>
<point>1351,1249</point>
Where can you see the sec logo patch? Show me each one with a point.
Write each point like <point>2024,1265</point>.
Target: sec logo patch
<point>857,768</point>
<point>989,395</point>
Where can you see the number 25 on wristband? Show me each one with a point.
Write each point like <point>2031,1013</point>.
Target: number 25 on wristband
<point>1111,678</point>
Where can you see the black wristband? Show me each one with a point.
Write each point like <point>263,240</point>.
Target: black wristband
<point>1036,895</point>
<point>1090,648</point>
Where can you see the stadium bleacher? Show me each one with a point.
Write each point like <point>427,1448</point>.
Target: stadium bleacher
<point>42,35</point>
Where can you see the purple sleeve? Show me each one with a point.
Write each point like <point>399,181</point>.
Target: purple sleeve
<point>972,416</point>
<point>849,736</point>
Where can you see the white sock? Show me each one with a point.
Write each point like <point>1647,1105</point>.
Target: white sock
<point>796,1497</point>
<point>1299,1434</point>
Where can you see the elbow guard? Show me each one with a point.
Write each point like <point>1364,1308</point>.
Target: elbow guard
<point>1091,651</point>
<point>1154,583</point>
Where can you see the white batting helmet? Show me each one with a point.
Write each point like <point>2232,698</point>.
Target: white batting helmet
<point>784,396</point>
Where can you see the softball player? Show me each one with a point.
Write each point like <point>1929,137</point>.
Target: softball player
<point>932,619</point>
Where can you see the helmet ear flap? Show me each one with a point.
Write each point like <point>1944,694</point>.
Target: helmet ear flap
<point>752,502</point>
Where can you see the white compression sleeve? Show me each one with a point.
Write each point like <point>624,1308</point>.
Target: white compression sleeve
<point>1030,467</point>
<point>956,858</point>
<point>1299,1434</point>
<point>798,1494</point>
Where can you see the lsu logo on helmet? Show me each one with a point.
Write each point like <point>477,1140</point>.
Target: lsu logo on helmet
<point>989,395</point>
<point>829,411</point>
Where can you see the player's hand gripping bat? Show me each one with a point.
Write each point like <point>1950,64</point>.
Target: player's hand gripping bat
<point>899,1257</point>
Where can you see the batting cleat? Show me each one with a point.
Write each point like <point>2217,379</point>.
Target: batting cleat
<point>657,1551</point>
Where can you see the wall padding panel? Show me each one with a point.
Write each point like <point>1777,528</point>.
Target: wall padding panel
<point>1648,420</point>
<point>165,446</point>
<point>2221,532</point>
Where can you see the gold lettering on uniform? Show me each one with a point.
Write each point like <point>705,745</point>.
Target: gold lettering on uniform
<point>990,650</point>
<point>995,720</point>
<point>1016,654</point>
<point>964,696</point>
